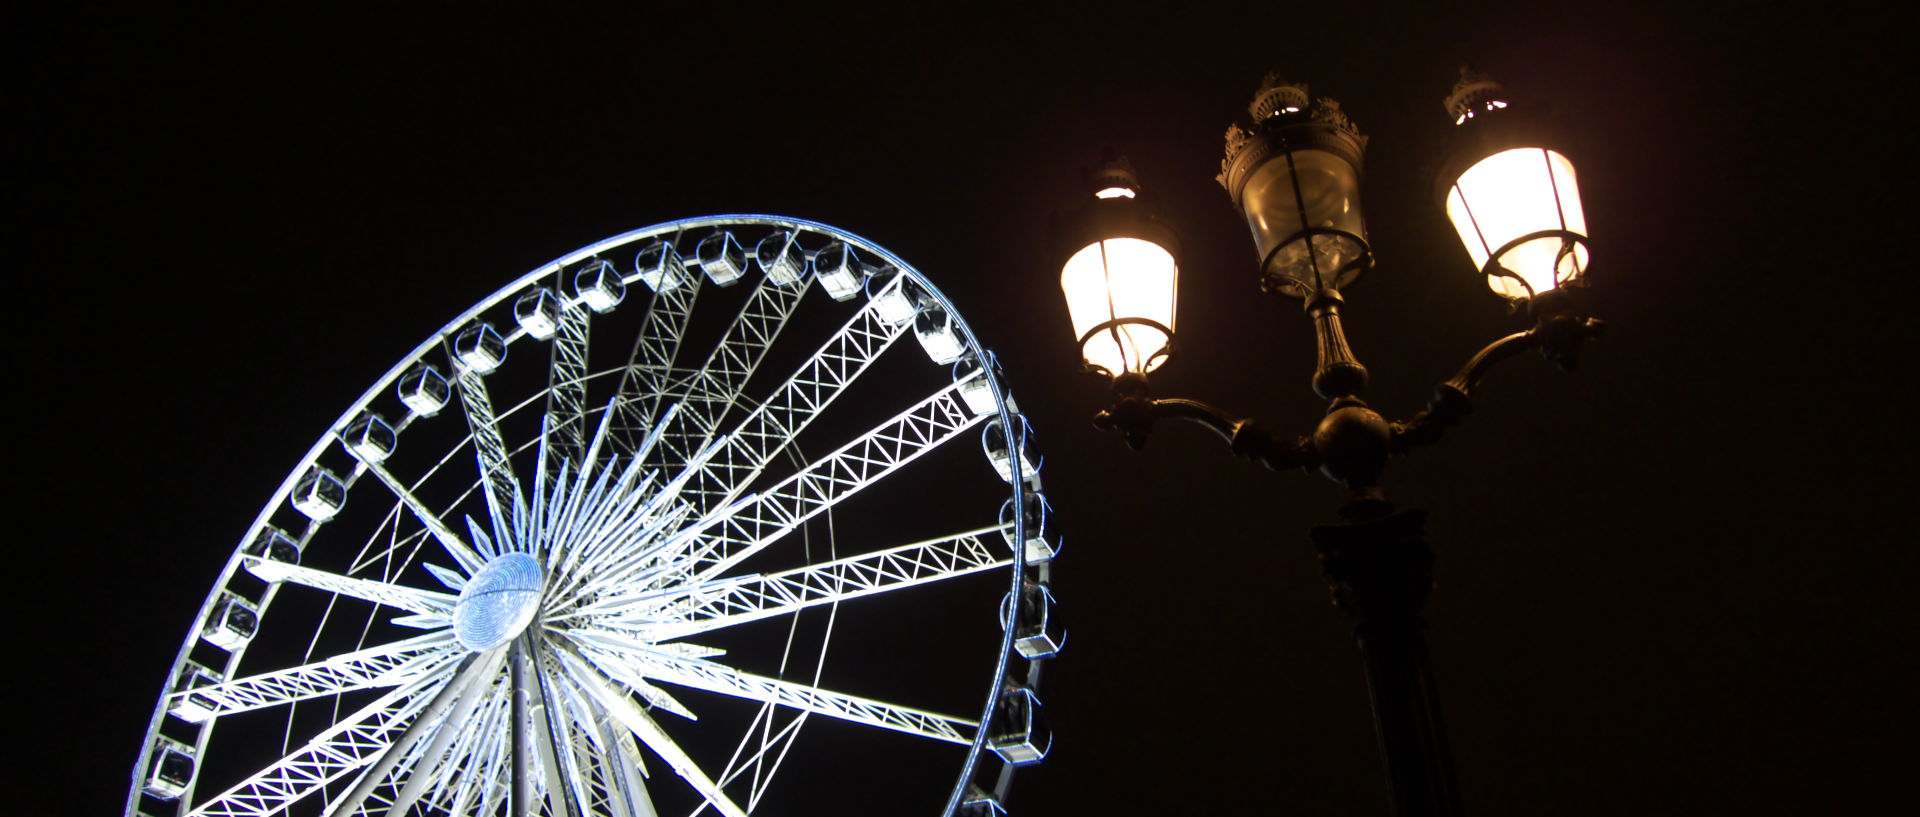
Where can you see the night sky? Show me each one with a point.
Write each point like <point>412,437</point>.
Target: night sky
<point>1676,581</point>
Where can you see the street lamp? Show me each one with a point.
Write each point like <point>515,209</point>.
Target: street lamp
<point>1294,171</point>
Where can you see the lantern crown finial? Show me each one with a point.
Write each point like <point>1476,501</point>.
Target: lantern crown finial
<point>1276,95</point>
<point>1285,107</point>
<point>1474,92</point>
<point>1114,171</point>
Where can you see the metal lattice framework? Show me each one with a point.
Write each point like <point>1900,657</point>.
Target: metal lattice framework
<point>557,575</point>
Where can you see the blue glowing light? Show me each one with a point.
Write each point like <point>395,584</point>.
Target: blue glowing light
<point>498,602</point>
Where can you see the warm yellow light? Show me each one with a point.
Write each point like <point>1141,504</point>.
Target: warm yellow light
<point>1513,194</point>
<point>1121,278</point>
<point>1114,193</point>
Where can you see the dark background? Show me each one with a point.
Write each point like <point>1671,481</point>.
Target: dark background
<point>1675,582</point>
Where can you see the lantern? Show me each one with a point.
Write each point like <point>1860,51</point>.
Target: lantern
<point>1511,193</point>
<point>1120,277</point>
<point>1295,175</point>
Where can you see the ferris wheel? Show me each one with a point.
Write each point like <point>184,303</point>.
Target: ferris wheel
<point>657,529</point>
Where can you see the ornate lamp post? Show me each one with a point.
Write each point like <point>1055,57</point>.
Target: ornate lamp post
<point>1294,172</point>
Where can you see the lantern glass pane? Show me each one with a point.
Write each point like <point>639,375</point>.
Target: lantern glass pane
<point>1121,278</point>
<point>1516,193</point>
<point>1330,189</point>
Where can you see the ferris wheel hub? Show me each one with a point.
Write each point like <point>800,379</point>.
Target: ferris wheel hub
<point>498,602</point>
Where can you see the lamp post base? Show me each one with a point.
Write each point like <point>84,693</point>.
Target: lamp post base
<point>1381,571</point>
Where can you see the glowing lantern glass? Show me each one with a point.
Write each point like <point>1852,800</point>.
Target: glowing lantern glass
<point>1120,277</point>
<point>1295,174</point>
<point>1518,213</point>
<point>1513,198</point>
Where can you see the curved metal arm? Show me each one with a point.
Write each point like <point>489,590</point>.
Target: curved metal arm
<point>1557,334</point>
<point>1134,412</point>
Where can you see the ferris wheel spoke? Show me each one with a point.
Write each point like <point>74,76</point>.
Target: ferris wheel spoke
<point>791,407</point>
<point>554,741</point>
<point>442,533</point>
<point>627,791</point>
<point>343,748</point>
<point>828,481</point>
<point>489,448</point>
<point>718,382</point>
<point>384,666</point>
<point>649,367</point>
<point>776,742</point>
<point>607,772</point>
<point>481,689</point>
<point>426,603</point>
<point>615,563</point>
<point>567,387</point>
<point>730,603</point>
<point>485,753</point>
<point>615,787</point>
<point>622,708</point>
<point>595,758</point>
<point>476,671</point>
<point>582,511</point>
<point>725,680</point>
<point>466,765</point>
<point>581,727</point>
<point>604,557</point>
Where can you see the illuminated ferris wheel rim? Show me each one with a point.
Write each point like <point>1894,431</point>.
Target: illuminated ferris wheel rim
<point>603,246</point>
<point>1019,477</point>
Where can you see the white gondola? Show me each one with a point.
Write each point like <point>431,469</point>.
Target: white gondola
<point>538,312</point>
<point>979,803</point>
<point>975,390</point>
<point>232,623</point>
<point>1038,631</point>
<point>895,300</point>
<point>171,770</point>
<point>274,545</point>
<point>424,390</point>
<point>600,285</point>
<point>937,334</point>
<point>1018,734</point>
<point>721,258</point>
<point>319,494</point>
<point>190,706</point>
<point>659,267</point>
<point>1038,538</point>
<point>781,257</point>
<point>480,348</point>
<point>839,271</point>
<point>1001,451</point>
<point>369,438</point>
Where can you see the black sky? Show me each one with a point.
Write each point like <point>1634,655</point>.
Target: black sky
<point>1678,581</point>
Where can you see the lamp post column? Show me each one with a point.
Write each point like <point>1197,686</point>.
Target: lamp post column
<point>1380,571</point>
